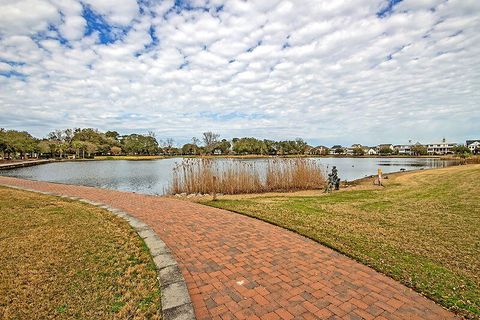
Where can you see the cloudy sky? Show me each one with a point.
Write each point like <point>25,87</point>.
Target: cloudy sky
<point>367,71</point>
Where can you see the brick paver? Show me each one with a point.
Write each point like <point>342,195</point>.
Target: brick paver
<point>242,268</point>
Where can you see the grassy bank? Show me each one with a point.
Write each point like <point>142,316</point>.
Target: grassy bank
<point>63,259</point>
<point>422,229</point>
<point>128,157</point>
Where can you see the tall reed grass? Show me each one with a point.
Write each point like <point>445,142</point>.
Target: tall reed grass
<point>235,177</point>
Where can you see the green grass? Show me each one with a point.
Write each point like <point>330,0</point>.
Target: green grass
<point>66,260</point>
<point>422,229</point>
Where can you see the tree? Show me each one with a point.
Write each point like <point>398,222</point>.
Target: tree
<point>358,151</point>
<point>61,148</point>
<point>44,147</point>
<point>196,141</point>
<point>223,146</point>
<point>90,148</point>
<point>190,149</point>
<point>300,146</point>
<point>460,150</point>
<point>168,145</point>
<point>140,144</point>
<point>3,142</point>
<point>210,138</point>
<point>13,142</point>
<point>385,151</point>
<point>114,135</point>
<point>115,150</point>
<point>248,146</point>
<point>77,147</point>
<point>418,150</point>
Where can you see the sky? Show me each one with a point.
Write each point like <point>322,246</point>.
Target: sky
<point>331,72</point>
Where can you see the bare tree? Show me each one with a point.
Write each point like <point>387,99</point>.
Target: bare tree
<point>195,141</point>
<point>169,143</point>
<point>210,138</point>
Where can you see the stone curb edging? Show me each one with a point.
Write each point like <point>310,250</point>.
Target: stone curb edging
<point>175,299</point>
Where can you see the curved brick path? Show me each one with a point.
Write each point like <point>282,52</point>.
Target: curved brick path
<point>241,268</point>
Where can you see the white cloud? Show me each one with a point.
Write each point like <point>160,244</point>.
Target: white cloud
<point>18,17</point>
<point>120,12</point>
<point>329,71</point>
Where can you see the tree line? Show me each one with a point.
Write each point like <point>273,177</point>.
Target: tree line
<point>88,142</point>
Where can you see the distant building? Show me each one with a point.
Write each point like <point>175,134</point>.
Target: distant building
<point>337,149</point>
<point>371,151</point>
<point>404,149</point>
<point>440,148</point>
<point>319,150</point>
<point>385,146</point>
<point>473,145</point>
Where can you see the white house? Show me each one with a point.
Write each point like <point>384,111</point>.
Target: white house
<point>370,151</point>
<point>473,145</point>
<point>405,149</point>
<point>440,148</point>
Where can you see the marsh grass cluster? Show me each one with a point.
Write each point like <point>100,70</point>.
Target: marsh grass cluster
<point>237,177</point>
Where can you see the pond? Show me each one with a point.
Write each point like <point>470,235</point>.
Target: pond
<point>154,176</point>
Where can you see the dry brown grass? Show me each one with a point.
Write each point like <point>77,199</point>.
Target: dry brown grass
<point>473,160</point>
<point>62,259</point>
<point>239,177</point>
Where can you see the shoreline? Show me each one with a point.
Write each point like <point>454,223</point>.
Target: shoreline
<point>21,164</point>
<point>344,186</point>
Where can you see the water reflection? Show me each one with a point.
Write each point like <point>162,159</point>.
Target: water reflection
<point>153,176</point>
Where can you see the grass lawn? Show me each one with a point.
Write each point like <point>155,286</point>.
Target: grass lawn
<point>128,157</point>
<point>64,259</point>
<point>422,229</point>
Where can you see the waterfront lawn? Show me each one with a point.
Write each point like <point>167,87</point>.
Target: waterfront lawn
<point>66,260</point>
<point>422,229</point>
<point>128,157</point>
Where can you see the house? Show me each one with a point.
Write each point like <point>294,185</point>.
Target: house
<point>319,150</point>
<point>371,151</point>
<point>350,151</point>
<point>404,149</point>
<point>337,149</point>
<point>440,148</point>
<point>356,149</point>
<point>473,145</point>
<point>385,146</point>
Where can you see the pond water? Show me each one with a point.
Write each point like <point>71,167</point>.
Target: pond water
<point>154,176</point>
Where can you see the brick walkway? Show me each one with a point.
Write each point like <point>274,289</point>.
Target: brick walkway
<point>241,268</point>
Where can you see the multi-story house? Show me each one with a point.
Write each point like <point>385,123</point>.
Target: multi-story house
<point>440,148</point>
<point>337,149</point>
<point>404,149</point>
<point>473,145</point>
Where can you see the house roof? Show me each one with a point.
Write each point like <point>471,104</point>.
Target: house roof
<point>469,142</point>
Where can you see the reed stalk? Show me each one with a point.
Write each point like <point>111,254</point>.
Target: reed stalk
<point>207,176</point>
